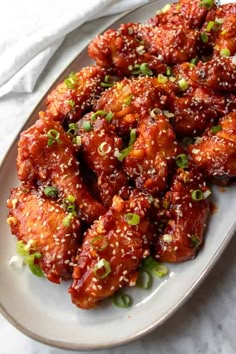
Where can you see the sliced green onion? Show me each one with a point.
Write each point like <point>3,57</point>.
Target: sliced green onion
<point>107,82</point>
<point>71,198</point>
<point>132,219</point>
<point>102,269</point>
<point>194,61</point>
<point>183,84</point>
<point>50,191</point>
<point>109,116</point>
<point>145,70</point>
<point>20,249</point>
<point>182,161</point>
<point>77,140</point>
<point>132,136</point>
<point>195,241</point>
<point>160,271</point>
<point>99,243</point>
<point>53,137</point>
<point>207,3</point>
<point>71,80</point>
<point>161,79</point>
<point>125,152</point>
<point>216,128</point>
<point>153,266</point>
<point>168,71</point>
<point>197,195</point>
<point>73,129</point>
<point>98,113</point>
<point>122,300</point>
<point>225,52</point>
<point>71,103</point>
<point>154,112</point>
<point>38,255</point>
<point>104,149</point>
<point>210,26</point>
<point>128,100</point>
<point>87,126</point>
<point>144,280</point>
<point>204,37</point>
<point>67,220</point>
<point>36,270</point>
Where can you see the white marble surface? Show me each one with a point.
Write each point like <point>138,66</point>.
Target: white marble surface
<point>204,325</point>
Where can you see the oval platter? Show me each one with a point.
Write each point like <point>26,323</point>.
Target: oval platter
<point>43,310</point>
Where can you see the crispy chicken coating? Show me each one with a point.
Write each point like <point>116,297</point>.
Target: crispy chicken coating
<point>124,52</point>
<point>196,111</point>
<point>38,219</point>
<point>217,74</point>
<point>76,94</point>
<point>215,151</point>
<point>46,155</point>
<point>220,29</point>
<point>111,252</point>
<point>99,143</point>
<point>174,44</point>
<point>183,216</point>
<point>152,155</point>
<point>132,99</point>
<point>189,13</point>
<point>110,185</point>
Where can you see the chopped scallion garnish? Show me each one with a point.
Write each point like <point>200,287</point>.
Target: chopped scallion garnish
<point>183,84</point>
<point>50,191</point>
<point>53,137</point>
<point>225,52</point>
<point>207,3</point>
<point>195,241</point>
<point>197,195</point>
<point>144,280</point>
<point>125,152</point>
<point>153,266</point>
<point>216,128</point>
<point>132,219</point>
<point>204,37</point>
<point>145,70</point>
<point>102,268</point>
<point>122,300</point>
<point>182,161</point>
<point>87,126</point>
<point>99,243</point>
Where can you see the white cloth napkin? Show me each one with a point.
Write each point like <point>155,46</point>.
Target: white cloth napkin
<point>32,30</point>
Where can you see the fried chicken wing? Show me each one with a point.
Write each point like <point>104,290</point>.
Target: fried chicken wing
<point>174,44</point>
<point>152,155</point>
<point>99,143</point>
<point>217,74</point>
<point>76,94</point>
<point>184,217</point>
<point>220,29</point>
<point>110,185</point>
<point>37,219</point>
<point>196,111</point>
<point>190,13</point>
<point>46,155</point>
<point>111,252</point>
<point>132,99</point>
<point>215,152</point>
<point>124,52</point>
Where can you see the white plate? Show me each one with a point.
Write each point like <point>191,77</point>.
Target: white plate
<point>43,310</point>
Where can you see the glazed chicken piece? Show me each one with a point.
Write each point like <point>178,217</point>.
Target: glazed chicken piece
<point>39,220</point>
<point>152,155</point>
<point>174,44</point>
<point>76,94</point>
<point>132,99</point>
<point>220,29</point>
<point>184,217</point>
<point>111,252</point>
<point>110,185</point>
<point>217,74</point>
<point>99,144</point>
<point>196,111</point>
<point>189,13</point>
<point>215,151</point>
<point>46,155</point>
<point>124,52</point>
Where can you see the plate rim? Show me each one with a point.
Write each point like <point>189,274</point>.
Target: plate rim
<point>205,272</point>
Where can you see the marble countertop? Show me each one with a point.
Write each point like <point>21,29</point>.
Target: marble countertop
<point>205,324</point>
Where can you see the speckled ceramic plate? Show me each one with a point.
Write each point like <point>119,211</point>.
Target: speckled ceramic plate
<point>43,310</point>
